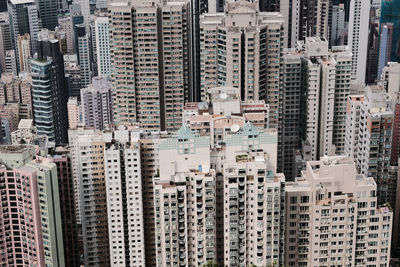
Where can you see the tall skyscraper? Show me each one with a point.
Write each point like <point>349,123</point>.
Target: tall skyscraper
<point>73,75</point>
<point>338,27</point>
<point>32,234</point>
<point>62,159</point>
<point>103,47</point>
<point>48,14</point>
<point>150,73</point>
<point>23,17</point>
<point>24,53</point>
<point>84,55</point>
<point>209,204</point>
<point>97,104</point>
<point>332,217</point>
<point>243,53</point>
<point>325,78</point>
<point>122,169</point>
<point>87,151</point>
<point>5,39</point>
<point>49,92</point>
<point>369,136</point>
<point>358,38</point>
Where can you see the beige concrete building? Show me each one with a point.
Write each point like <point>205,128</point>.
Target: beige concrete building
<point>24,52</point>
<point>16,89</point>
<point>327,76</point>
<point>242,48</point>
<point>149,62</point>
<point>332,218</point>
<point>369,129</point>
<point>74,113</point>
<point>87,158</point>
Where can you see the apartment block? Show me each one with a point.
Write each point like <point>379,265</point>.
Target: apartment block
<point>16,89</point>
<point>369,136</point>
<point>96,104</point>
<point>332,217</point>
<point>184,201</point>
<point>87,152</point>
<point>123,179</point>
<point>150,72</point>
<point>102,46</point>
<point>326,77</point>
<point>32,233</point>
<point>358,38</point>
<point>242,48</point>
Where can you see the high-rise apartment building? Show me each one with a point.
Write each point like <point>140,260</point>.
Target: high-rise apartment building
<point>87,152</point>
<point>322,84</point>
<point>96,104</point>
<point>122,170</point>
<point>73,75</point>
<point>49,92</point>
<point>23,19</point>
<point>84,55</point>
<point>24,52</point>
<point>5,39</point>
<point>326,105</point>
<point>103,47</point>
<point>369,136</point>
<point>11,62</point>
<point>217,198</point>
<point>304,18</point>
<point>243,48</point>
<point>332,217</point>
<point>15,89</point>
<point>184,201</point>
<point>32,235</point>
<point>358,38</point>
<point>150,72</point>
<point>338,28</point>
<point>74,113</point>
<point>62,158</point>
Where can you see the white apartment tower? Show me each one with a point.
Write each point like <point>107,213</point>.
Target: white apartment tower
<point>102,46</point>
<point>184,201</point>
<point>332,217</point>
<point>358,38</point>
<point>369,136</point>
<point>149,71</point>
<point>122,170</point>
<point>327,78</point>
<point>242,48</point>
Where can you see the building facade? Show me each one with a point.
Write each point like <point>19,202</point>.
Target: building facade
<point>332,217</point>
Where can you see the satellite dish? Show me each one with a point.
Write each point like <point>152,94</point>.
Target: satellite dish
<point>235,128</point>
<point>223,96</point>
